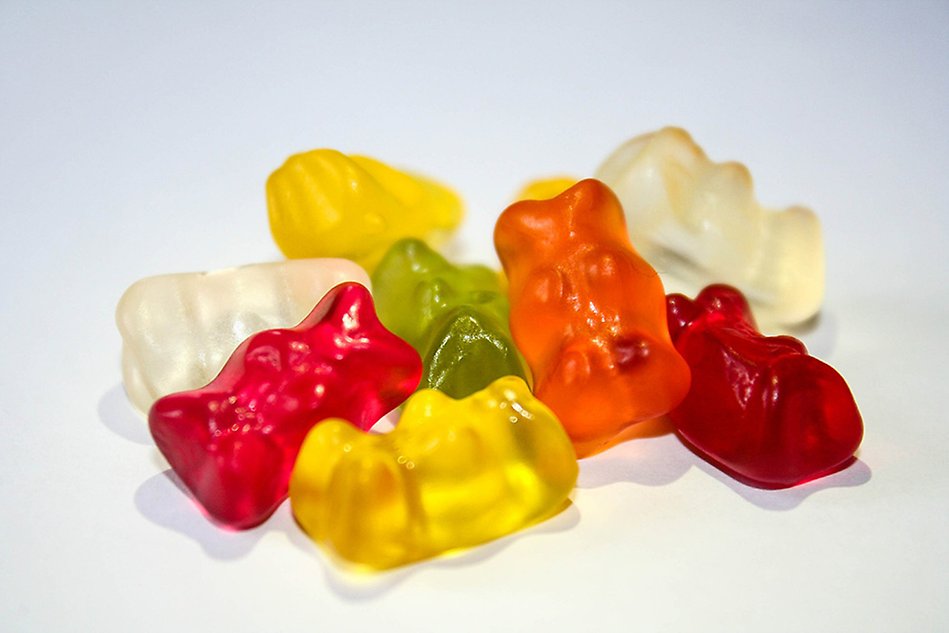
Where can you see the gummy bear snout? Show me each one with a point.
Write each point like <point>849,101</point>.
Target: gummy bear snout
<point>580,359</point>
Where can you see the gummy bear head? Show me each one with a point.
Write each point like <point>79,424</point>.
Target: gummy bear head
<point>586,212</point>
<point>718,302</point>
<point>412,274</point>
<point>467,348</point>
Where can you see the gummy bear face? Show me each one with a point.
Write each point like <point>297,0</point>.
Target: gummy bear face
<point>326,204</point>
<point>588,314</point>
<point>699,223</point>
<point>453,473</point>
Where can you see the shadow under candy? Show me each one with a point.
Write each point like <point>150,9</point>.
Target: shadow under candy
<point>355,585</point>
<point>819,334</point>
<point>647,453</point>
<point>164,501</point>
<point>119,416</point>
<point>855,474</point>
<point>654,456</point>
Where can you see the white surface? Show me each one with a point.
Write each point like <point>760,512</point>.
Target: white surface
<point>136,141</point>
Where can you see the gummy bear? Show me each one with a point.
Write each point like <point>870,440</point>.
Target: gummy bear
<point>588,314</point>
<point>233,443</point>
<point>326,204</point>
<point>178,330</point>
<point>546,188</point>
<point>453,473</point>
<point>698,223</point>
<point>759,408</point>
<point>456,317</point>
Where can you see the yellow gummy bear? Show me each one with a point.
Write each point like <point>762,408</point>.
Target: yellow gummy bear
<point>326,204</point>
<point>546,188</point>
<point>454,473</point>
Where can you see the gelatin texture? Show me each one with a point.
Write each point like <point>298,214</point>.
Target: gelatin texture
<point>588,314</point>
<point>178,330</point>
<point>698,223</point>
<point>759,407</point>
<point>456,317</point>
<point>326,204</point>
<point>454,473</point>
<point>234,442</point>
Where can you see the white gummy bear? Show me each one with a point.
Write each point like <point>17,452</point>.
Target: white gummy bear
<point>178,330</point>
<point>698,222</point>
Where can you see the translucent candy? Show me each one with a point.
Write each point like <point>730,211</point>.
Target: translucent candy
<point>326,204</point>
<point>546,188</point>
<point>454,473</point>
<point>698,222</point>
<point>759,408</point>
<point>455,316</point>
<point>178,330</point>
<point>588,314</point>
<point>234,442</point>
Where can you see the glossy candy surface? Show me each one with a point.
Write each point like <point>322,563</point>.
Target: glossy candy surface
<point>698,222</point>
<point>588,314</point>
<point>453,473</point>
<point>326,204</point>
<point>233,443</point>
<point>759,407</point>
<point>178,330</point>
<point>456,317</point>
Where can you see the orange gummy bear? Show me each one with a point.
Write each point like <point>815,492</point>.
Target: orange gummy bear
<point>588,314</point>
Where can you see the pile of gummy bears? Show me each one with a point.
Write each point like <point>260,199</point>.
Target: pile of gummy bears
<point>253,394</point>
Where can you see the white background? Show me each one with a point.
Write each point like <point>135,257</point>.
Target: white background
<point>136,141</point>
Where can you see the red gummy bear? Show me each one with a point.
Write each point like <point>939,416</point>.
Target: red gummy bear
<point>234,442</point>
<point>759,408</point>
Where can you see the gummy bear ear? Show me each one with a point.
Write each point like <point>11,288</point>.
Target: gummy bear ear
<point>593,205</point>
<point>718,301</point>
<point>680,313</point>
<point>413,254</point>
<point>348,307</point>
<point>726,301</point>
<point>525,227</point>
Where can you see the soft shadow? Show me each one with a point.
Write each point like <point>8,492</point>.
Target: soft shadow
<point>355,585</point>
<point>283,522</point>
<point>649,455</point>
<point>819,333</point>
<point>119,416</point>
<point>856,474</point>
<point>163,500</point>
<point>656,457</point>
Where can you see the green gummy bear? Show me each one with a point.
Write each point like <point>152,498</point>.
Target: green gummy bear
<point>456,317</point>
